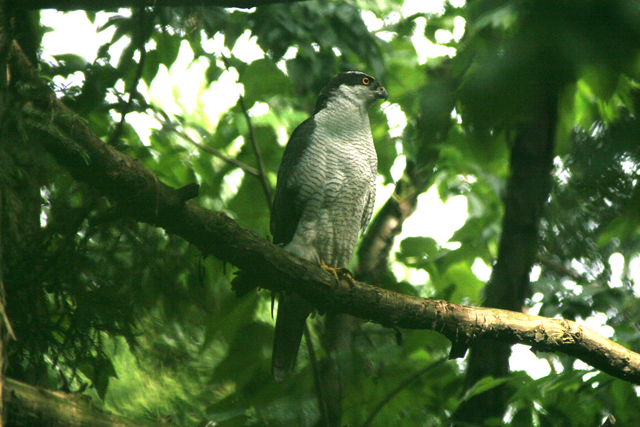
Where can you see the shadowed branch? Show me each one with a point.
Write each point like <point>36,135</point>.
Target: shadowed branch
<point>145,198</point>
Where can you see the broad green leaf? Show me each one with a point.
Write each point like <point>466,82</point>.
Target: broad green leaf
<point>415,250</point>
<point>485,384</point>
<point>151,66</point>
<point>168,47</point>
<point>262,80</point>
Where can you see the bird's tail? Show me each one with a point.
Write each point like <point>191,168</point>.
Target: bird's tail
<point>293,311</point>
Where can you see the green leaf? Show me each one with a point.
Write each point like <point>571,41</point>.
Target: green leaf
<point>104,370</point>
<point>213,72</point>
<point>168,47</point>
<point>467,285</point>
<point>485,384</point>
<point>91,16</point>
<point>71,61</point>
<point>151,66</point>
<point>415,250</point>
<point>262,80</point>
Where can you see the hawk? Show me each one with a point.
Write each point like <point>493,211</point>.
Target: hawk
<point>325,195</point>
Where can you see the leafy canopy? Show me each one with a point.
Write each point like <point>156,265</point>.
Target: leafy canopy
<point>152,326</point>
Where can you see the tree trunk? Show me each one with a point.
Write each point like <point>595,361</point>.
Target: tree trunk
<point>527,192</point>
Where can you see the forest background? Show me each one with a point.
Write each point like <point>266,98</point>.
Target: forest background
<point>508,178</point>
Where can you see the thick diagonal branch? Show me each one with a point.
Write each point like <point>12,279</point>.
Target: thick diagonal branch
<point>143,197</point>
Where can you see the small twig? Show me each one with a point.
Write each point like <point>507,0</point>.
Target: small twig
<point>400,387</point>
<point>3,311</point>
<point>252,137</point>
<point>317,378</point>
<point>263,177</point>
<point>5,318</point>
<point>246,168</point>
<point>560,268</point>
<point>144,35</point>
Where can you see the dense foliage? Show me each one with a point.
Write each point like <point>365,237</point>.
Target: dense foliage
<point>107,305</point>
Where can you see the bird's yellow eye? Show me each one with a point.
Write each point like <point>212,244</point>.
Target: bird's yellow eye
<point>365,80</point>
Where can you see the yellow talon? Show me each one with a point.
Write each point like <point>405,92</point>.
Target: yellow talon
<point>331,270</point>
<point>340,273</point>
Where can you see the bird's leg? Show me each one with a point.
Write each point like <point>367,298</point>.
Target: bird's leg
<point>339,273</point>
<point>331,270</point>
<point>348,276</point>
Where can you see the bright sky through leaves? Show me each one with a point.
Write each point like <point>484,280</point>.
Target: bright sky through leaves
<point>183,89</point>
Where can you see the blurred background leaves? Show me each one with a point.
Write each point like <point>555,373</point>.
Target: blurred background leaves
<point>151,326</point>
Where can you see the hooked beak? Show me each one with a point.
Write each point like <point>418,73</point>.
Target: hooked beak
<point>381,93</point>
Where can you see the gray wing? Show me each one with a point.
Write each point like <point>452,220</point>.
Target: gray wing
<point>368,209</point>
<point>287,208</point>
<point>371,195</point>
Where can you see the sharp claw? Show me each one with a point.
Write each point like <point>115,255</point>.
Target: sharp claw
<point>348,276</point>
<point>333,271</point>
<point>340,273</point>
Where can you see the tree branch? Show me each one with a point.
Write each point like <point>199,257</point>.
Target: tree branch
<point>252,137</point>
<point>142,196</point>
<point>34,406</point>
<point>114,4</point>
<point>219,154</point>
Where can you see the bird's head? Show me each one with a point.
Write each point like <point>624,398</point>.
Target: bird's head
<point>354,86</point>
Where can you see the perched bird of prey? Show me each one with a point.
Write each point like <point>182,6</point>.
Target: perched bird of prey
<point>325,195</point>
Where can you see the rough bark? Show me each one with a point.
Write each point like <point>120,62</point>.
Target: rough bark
<point>20,200</point>
<point>142,196</point>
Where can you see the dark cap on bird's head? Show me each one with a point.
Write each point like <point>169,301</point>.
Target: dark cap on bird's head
<point>354,79</point>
